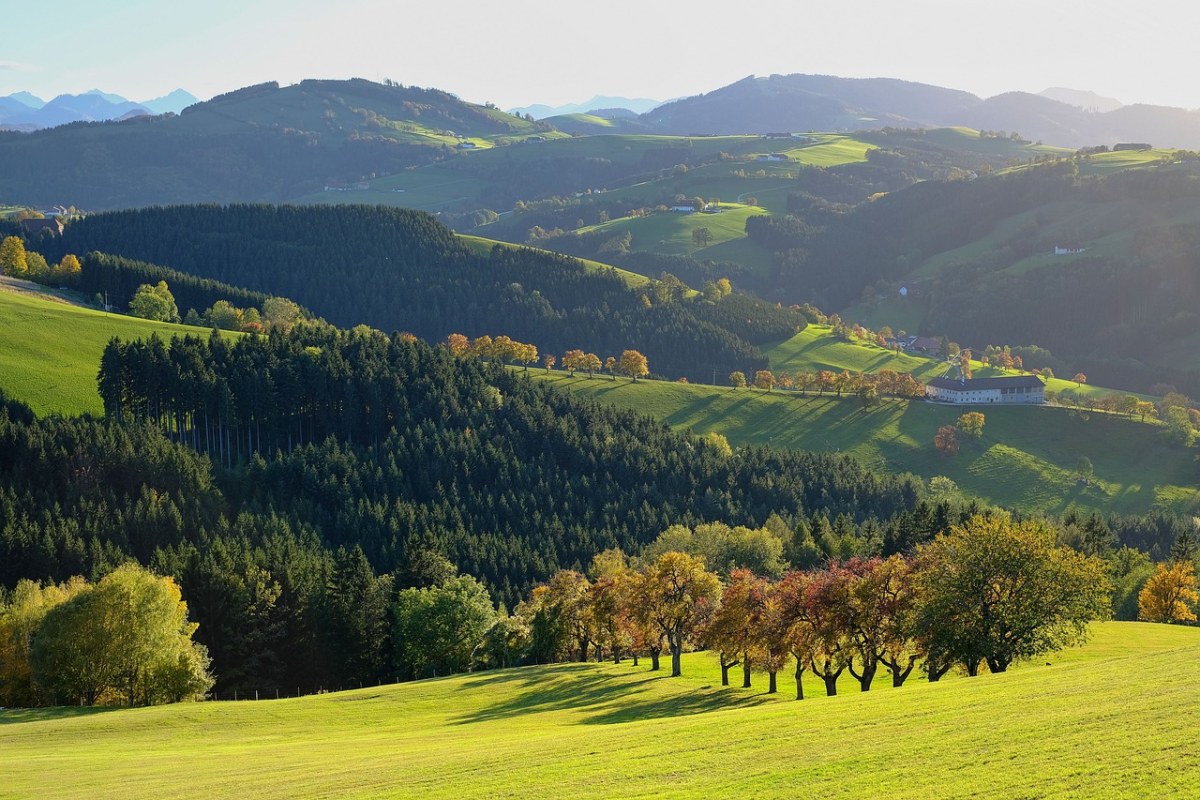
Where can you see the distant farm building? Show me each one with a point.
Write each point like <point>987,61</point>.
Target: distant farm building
<point>1069,251</point>
<point>773,157</point>
<point>1132,146</point>
<point>36,227</point>
<point>684,208</point>
<point>1022,389</point>
<point>924,344</point>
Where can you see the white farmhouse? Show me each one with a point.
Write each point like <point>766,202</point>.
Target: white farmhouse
<point>1025,389</point>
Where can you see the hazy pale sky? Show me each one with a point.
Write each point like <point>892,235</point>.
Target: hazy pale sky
<point>518,52</point>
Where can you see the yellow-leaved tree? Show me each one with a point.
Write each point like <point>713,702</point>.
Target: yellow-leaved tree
<point>12,257</point>
<point>1170,594</point>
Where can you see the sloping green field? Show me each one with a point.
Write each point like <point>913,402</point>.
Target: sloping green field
<point>815,348</point>
<point>670,232</point>
<point>1117,718</point>
<point>1026,459</point>
<point>51,350</point>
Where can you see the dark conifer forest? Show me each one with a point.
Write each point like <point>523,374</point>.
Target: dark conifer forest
<point>395,269</point>
<point>259,472</point>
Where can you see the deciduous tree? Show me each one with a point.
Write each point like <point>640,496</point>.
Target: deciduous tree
<point>946,440</point>
<point>154,302</point>
<point>1000,591</point>
<point>680,594</point>
<point>634,365</point>
<point>1170,594</point>
<point>13,260</point>
<point>971,424</point>
<point>731,630</point>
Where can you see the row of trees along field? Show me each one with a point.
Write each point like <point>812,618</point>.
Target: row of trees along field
<point>992,591</point>
<point>403,270</point>
<point>868,386</point>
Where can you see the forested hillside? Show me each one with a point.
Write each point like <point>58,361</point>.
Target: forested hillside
<point>260,143</point>
<point>354,454</point>
<point>977,260</point>
<point>401,270</point>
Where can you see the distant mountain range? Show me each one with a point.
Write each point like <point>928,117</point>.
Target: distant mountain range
<point>25,111</point>
<point>599,103</point>
<point>795,103</point>
<point>262,143</point>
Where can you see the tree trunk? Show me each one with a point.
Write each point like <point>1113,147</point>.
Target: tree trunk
<point>635,658</point>
<point>676,653</point>
<point>867,676</point>
<point>936,671</point>
<point>997,665</point>
<point>972,665</point>
<point>725,673</point>
<point>900,675</point>
<point>799,679</point>
<point>654,661</point>
<point>745,670</point>
<point>831,680</point>
<point>771,686</point>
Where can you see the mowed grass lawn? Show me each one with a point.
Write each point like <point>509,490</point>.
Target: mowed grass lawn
<point>1025,460</point>
<point>50,351</point>
<point>1118,718</point>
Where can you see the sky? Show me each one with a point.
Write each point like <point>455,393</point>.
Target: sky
<point>520,52</point>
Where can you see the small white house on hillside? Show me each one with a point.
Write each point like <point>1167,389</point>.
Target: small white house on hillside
<point>1024,389</point>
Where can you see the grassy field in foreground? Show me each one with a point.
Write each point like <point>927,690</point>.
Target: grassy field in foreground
<point>1117,718</point>
<point>1026,459</point>
<point>51,350</point>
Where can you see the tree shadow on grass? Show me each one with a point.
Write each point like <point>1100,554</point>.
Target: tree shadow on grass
<point>13,716</point>
<point>601,698</point>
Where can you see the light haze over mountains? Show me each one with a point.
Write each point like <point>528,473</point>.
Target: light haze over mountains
<point>26,111</point>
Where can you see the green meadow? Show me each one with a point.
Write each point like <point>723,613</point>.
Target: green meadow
<point>815,348</point>
<point>671,232</point>
<point>1085,723</point>
<point>52,349</point>
<point>1026,458</point>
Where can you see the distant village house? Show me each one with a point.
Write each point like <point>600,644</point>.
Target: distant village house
<point>1022,389</point>
<point>36,227</point>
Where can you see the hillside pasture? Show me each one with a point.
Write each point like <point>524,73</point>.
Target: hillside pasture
<point>671,232</point>
<point>605,730</point>
<point>52,349</point>
<point>1025,460</point>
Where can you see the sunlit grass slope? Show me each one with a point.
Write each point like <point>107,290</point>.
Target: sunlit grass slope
<point>1115,719</point>
<point>1026,459</point>
<point>50,351</point>
<point>671,232</point>
<point>815,348</point>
